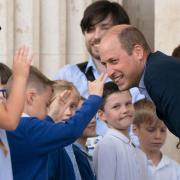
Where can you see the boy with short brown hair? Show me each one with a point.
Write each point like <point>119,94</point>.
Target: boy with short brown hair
<point>37,135</point>
<point>152,132</point>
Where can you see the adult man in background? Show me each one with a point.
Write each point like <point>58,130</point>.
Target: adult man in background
<point>98,18</point>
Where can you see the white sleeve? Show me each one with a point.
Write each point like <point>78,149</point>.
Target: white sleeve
<point>104,160</point>
<point>64,73</point>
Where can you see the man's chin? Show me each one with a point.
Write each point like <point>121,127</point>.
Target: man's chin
<point>122,87</point>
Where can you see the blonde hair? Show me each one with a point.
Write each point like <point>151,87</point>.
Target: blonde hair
<point>61,85</point>
<point>145,112</point>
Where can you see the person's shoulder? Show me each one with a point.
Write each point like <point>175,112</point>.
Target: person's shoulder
<point>69,70</point>
<point>171,162</point>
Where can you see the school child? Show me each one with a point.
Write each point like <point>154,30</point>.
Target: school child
<point>152,135</point>
<point>83,158</point>
<point>62,163</point>
<point>5,159</point>
<point>115,157</point>
<point>10,109</point>
<point>37,135</point>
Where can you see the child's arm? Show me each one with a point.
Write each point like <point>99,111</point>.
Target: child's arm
<point>11,110</point>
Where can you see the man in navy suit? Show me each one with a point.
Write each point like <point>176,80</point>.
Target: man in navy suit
<point>130,63</point>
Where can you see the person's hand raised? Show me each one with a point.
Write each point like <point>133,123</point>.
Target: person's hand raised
<point>96,87</point>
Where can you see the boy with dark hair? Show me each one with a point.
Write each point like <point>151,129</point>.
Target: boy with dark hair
<point>115,157</point>
<point>37,135</point>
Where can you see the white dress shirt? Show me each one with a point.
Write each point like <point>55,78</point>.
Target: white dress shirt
<point>167,169</point>
<point>115,158</point>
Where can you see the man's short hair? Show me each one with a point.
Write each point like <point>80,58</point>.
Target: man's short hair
<point>131,36</point>
<point>99,10</point>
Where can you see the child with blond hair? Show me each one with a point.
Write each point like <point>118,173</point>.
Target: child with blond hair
<point>152,133</point>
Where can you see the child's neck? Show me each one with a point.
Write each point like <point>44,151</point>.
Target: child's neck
<point>123,131</point>
<point>82,141</point>
<point>154,156</point>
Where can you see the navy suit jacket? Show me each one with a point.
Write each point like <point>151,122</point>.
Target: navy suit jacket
<point>162,81</point>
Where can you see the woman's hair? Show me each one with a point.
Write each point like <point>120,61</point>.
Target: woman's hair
<point>5,73</point>
<point>61,85</point>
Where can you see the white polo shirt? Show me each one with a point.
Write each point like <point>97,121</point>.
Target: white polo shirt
<point>115,158</point>
<point>167,169</point>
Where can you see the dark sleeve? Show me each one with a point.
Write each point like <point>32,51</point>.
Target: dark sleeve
<point>44,136</point>
<point>163,85</point>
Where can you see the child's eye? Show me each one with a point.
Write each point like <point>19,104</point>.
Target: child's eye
<point>116,107</point>
<point>151,129</point>
<point>74,106</point>
<point>163,130</point>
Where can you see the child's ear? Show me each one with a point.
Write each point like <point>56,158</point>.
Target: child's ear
<point>30,95</point>
<point>102,115</point>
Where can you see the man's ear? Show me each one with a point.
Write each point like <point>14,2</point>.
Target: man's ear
<point>30,95</point>
<point>102,115</point>
<point>138,52</point>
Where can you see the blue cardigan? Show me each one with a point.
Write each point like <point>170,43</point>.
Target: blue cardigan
<point>60,166</point>
<point>34,139</point>
<point>83,163</point>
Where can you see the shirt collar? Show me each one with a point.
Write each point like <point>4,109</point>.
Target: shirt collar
<point>165,161</point>
<point>24,115</point>
<point>91,64</point>
<point>82,148</point>
<point>141,83</point>
<point>119,135</point>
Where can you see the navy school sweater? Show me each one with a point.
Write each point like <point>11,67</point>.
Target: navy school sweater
<point>34,139</point>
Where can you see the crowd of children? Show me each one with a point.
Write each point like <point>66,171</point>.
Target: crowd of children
<point>48,126</point>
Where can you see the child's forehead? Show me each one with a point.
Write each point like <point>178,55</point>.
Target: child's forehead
<point>121,95</point>
<point>154,122</point>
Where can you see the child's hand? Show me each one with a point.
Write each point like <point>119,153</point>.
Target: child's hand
<point>59,105</point>
<point>96,87</point>
<point>21,63</point>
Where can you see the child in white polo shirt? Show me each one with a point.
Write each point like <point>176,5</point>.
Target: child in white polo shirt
<point>152,135</point>
<point>115,157</point>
